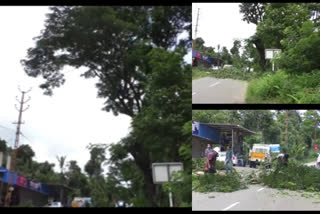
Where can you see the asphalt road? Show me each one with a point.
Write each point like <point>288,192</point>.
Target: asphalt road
<point>210,90</point>
<point>256,197</point>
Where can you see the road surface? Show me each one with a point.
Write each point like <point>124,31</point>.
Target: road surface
<point>210,90</point>
<point>256,197</point>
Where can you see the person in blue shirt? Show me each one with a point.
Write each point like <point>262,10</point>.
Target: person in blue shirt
<point>228,159</point>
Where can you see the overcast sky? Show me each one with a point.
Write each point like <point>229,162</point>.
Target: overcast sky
<point>63,124</point>
<point>220,23</point>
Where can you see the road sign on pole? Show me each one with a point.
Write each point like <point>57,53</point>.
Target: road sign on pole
<point>315,147</point>
<point>162,172</point>
<point>272,54</point>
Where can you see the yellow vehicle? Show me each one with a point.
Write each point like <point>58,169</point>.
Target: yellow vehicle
<point>258,154</point>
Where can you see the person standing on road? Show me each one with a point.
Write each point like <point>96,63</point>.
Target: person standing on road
<point>228,160</point>
<point>208,150</point>
<point>211,162</point>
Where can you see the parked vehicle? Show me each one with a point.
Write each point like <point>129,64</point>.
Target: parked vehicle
<point>227,66</point>
<point>54,204</point>
<point>261,153</point>
<point>318,161</point>
<point>81,202</point>
<point>222,156</point>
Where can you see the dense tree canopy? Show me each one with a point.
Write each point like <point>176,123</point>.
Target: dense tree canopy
<point>138,61</point>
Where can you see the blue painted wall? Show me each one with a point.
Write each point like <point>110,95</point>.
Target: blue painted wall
<point>207,132</point>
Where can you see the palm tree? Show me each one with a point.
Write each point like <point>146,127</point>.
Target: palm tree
<point>61,161</point>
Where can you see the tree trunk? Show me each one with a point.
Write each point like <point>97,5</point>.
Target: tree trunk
<point>144,164</point>
<point>261,50</point>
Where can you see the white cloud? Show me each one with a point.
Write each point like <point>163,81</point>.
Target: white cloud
<point>220,23</point>
<point>63,124</point>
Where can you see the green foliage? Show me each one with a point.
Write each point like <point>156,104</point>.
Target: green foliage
<point>294,177</point>
<point>217,183</point>
<point>252,12</point>
<point>229,73</point>
<point>3,146</point>
<point>97,157</point>
<point>198,164</point>
<point>282,87</point>
<point>180,186</point>
<point>114,36</point>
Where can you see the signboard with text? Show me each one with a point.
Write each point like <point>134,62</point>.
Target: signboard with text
<point>161,172</point>
<point>315,147</point>
<point>272,53</point>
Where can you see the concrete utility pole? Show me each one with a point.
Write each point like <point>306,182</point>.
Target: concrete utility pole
<point>196,31</point>
<point>16,145</point>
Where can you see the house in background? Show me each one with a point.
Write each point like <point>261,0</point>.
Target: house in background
<point>218,135</point>
<point>199,59</point>
<point>28,190</point>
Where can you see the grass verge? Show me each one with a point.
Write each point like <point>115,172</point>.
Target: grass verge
<point>281,87</point>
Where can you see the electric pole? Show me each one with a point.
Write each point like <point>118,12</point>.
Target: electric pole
<point>287,120</point>
<point>196,30</point>
<point>16,145</point>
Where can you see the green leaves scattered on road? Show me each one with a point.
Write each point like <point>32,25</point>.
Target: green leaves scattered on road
<point>217,183</point>
<point>293,177</point>
<point>228,73</point>
<point>198,164</point>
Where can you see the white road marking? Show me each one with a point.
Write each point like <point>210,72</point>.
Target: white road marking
<point>193,93</point>
<point>232,205</point>
<point>214,84</point>
<point>260,189</point>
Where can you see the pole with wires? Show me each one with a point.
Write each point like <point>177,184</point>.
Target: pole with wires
<point>10,189</point>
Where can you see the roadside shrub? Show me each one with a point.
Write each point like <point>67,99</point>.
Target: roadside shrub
<point>269,85</point>
<point>198,164</point>
<point>281,87</point>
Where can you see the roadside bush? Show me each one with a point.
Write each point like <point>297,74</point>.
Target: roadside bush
<point>281,87</point>
<point>217,183</point>
<point>293,177</point>
<point>269,86</point>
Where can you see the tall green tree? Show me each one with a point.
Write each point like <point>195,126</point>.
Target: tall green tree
<point>252,12</point>
<point>112,48</point>
<point>134,53</point>
<point>94,165</point>
<point>77,180</point>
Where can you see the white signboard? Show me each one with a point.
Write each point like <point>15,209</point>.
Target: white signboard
<point>272,53</point>
<point>161,172</point>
